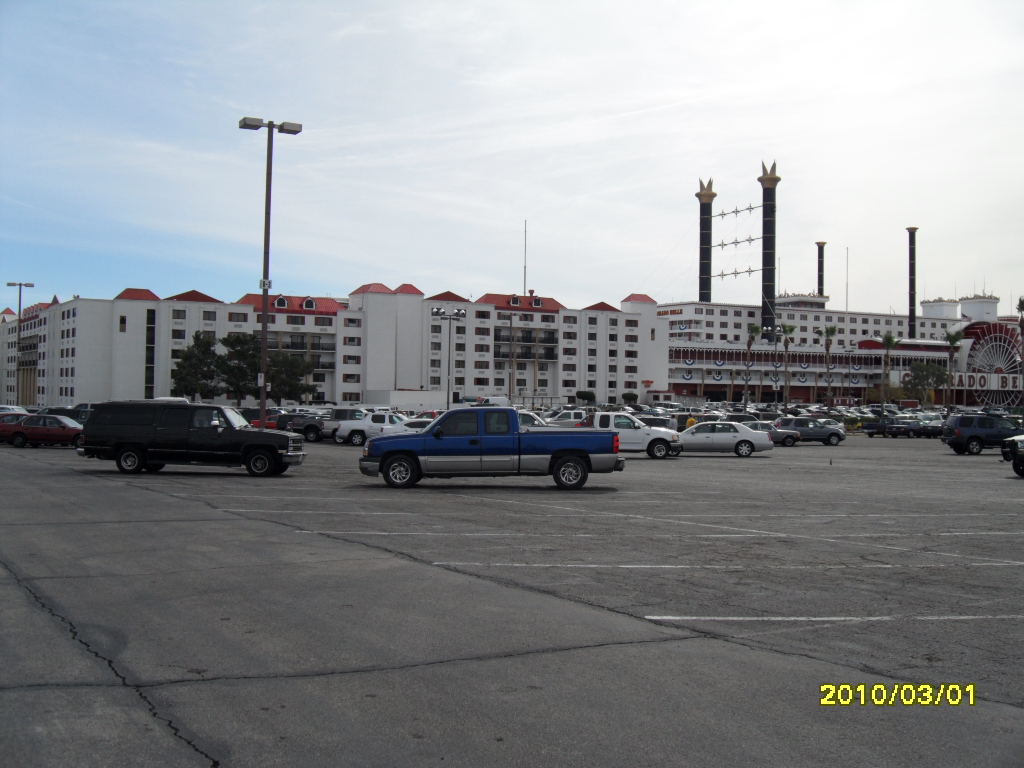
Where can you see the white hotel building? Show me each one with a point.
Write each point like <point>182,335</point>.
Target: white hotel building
<point>364,348</point>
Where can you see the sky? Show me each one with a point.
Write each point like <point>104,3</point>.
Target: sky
<point>433,130</point>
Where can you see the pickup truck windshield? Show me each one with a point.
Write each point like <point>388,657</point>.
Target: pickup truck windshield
<point>235,419</point>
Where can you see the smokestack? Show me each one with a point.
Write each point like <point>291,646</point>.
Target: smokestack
<point>821,268</point>
<point>706,195</point>
<point>769,180</point>
<point>912,330</point>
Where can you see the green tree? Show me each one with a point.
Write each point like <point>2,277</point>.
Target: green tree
<point>586,396</point>
<point>787,336</point>
<point>239,367</point>
<point>953,340</point>
<point>196,374</point>
<point>754,332</point>
<point>630,397</point>
<point>889,343</point>
<point>923,378</point>
<point>827,333</point>
<point>287,377</point>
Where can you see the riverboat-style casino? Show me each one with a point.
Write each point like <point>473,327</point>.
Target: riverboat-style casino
<point>708,340</point>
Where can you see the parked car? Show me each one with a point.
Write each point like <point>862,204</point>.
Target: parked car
<point>812,429</point>
<point>573,418</point>
<point>45,430</point>
<point>1013,451</point>
<point>252,415</point>
<point>8,421</point>
<point>13,409</point>
<point>787,437</point>
<point>530,419</point>
<point>634,435</point>
<point>972,434</point>
<point>488,442</point>
<point>665,422</point>
<point>932,428</point>
<point>357,430</point>
<point>415,425</point>
<point>149,434</point>
<point>429,414</point>
<point>725,436</point>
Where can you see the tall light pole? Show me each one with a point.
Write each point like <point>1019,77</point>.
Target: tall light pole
<point>17,358</point>
<point>254,124</point>
<point>439,313</point>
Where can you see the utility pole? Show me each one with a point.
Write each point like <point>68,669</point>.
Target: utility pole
<point>524,257</point>
<point>17,358</point>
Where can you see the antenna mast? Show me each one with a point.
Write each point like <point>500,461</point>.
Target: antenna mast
<point>524,257</point>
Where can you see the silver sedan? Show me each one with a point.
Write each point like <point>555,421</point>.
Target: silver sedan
<point>724,436</point>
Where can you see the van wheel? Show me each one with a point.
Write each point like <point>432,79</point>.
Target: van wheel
<point>130,461</point>
<point>154,467</point>
<point>1018,467</point>
<point>400,472</point>
<point>658,449</point>
<point>19,441</point>
<point>911,433</point>
<point>570,473</point>
<point>833,439</point>
<point>789,442</point>
<point>76,441</point>
<point>744,448</point>
<point>336,437</point>
<point>974,446</point>
<point>312,435</point>
<point>357,438</point>
<point>259,464</point>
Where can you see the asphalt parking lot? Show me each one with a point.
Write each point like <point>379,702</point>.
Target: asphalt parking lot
<point>683,612</point>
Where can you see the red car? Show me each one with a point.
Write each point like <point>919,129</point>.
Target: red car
<point>42,430</point>
<point>7,422</point>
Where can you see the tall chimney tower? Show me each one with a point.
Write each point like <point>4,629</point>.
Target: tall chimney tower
<point>821,267</point>
<point>769,180</point>
<point>912,317</point>
<point>706,195</point>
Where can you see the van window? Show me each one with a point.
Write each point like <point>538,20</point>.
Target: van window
<point>125,416</point>
<point>174,418</point>
<point>205,418</point>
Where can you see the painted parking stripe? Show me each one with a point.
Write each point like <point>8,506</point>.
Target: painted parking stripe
<point>1005,617</point>
<point>821,567</point>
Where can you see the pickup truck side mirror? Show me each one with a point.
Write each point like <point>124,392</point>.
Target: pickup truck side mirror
<point>438,433</point>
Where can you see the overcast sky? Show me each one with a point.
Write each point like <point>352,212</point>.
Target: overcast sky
<point>432,130</point>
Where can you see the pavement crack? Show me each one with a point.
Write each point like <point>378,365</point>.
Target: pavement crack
<point>77,636</point>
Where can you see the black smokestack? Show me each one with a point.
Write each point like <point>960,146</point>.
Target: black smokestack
<point>769,180</point>
<point>821,268</point>
<point>706,195</point>
<point>912,330</point>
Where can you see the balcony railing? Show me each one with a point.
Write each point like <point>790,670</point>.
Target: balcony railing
<point>296,345</point>
<point>322,366</point>
<point>323,346</point>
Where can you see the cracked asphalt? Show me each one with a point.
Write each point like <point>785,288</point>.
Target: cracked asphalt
<point>681,613</point>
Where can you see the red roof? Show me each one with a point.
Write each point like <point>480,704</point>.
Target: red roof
<point>192,296</point>
<point>408,288</point>
<point>138,294</point>
<point>501,301</point>
<point>35,309</point>
<point>8,311</point>
<point>447,296</point>
<point>601,306</point>
<point>372,288</point>
<point>643,298</point>
<point>324,304</point>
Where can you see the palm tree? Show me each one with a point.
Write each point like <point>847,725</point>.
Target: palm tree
<point>953,340</point>
<point>889,342</point>
<point>753,333</point>
<point>827,333</point>
<point>787,336</point>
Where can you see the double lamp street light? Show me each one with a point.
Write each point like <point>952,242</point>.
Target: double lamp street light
<point>439,313</point>
<point>254,124</point>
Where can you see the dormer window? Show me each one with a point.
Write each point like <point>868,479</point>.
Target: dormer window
<point>281,303</point>
<point>514,301</point>
<point>537,302</point>
<point>309,304</point>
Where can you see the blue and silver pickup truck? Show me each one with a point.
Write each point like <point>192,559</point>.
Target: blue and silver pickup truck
<point>475,442</point>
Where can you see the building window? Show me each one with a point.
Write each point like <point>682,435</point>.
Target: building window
<point>590,336</point>
<point>319,378</point>
<point>209,317</point>
<point>293,319</point>
<point>630,385</point>
<point>483,347</point>
<point>737,313</point>
<point>613,353</point>
<point>613,385</point>
<point>737,326</point>
<point>435,381</point>
<point>631,353</point>
<point>351,360</point>
<point>271,319</point>
<point>698,310</point>
<point>724,337</point>
<point>636,323</point>
<point>324,321</point>
<point>178,333</point>
<point>479,331</point>
<point>572,335</point>
<point>435,345</point>
<point>350,397</point>
<point>591,321</point>
<point>723,312</point>
<point>569,366</point>
<point>460,381</point>
<point>613,369</point>
<point>350,378</point>
<point>435,363</point>
<point>481,382</point>
<point>460,330</point>
<point>309,304</point>
<point>569,351</point>
<point>499,382</point>
<point>176,354</point>
<point>542,383</point>
<point>462,364</point>
<point>520,382</point>
<point>526,318</point>
<point>238,317</point>
<point>591,383</point>
<point>889,322</point>
<point>122,326</point>
<point>352,341</point>
<point>547,318</point>
<point>591,352</point>
<point>630,369</point>
<point>481,365</point>
<point>459,347</point>
<point>613,337</point>
<point>212,335</point>
<point>803,317</point>
<point>569,383</point>
<point>569,319</point>
<point>652,334</point>
<point>483,314</point>
<point>879,322</point>
<point>542,366</point>
<point>353,322</point>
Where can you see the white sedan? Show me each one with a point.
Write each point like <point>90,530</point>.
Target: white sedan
<point>724,436</point>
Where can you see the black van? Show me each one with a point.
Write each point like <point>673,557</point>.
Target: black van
<point>149,434</point>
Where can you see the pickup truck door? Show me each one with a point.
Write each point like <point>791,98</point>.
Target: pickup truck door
<point>211,438</point>
<point>499,451</point>
<point>454,444</point>
<point>170,438</point>
<point>631,436</point>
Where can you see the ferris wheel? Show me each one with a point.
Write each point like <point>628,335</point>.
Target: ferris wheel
<point>996,349</point>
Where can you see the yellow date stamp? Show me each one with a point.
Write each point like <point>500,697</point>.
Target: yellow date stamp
<point>897,694</point>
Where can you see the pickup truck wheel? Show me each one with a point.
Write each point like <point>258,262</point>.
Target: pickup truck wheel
<point>153,467</point>
<point>833,440</point>
<point>19,441</point>
<point>974,446</point>
<point>789,442</point>
<point>1018,467</point>
<point>959,449</point>
<point>400,472</point>
<point>280,469</point>
<point>911,433</point>
<point>744,448</point>
<point>312,435</point>
<point>570,473</point>
<point>357,438</point>
<point>336,437</point>
<point>658,449</point>
<point>259,464</point>
<point>130,460</point>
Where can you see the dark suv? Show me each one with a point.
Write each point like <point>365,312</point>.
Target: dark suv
<point>973,433</point>
<point>812,430</point>
<point>149,435</point>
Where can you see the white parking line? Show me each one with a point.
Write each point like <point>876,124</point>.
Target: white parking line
<point>822,567</point>
<point>315,512</point>
<point>441,533</point>
<point>1008,617</point>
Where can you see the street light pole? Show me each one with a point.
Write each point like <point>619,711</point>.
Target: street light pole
<point>439,313</point>
<point>17,358</point>
<point>254,124</point>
